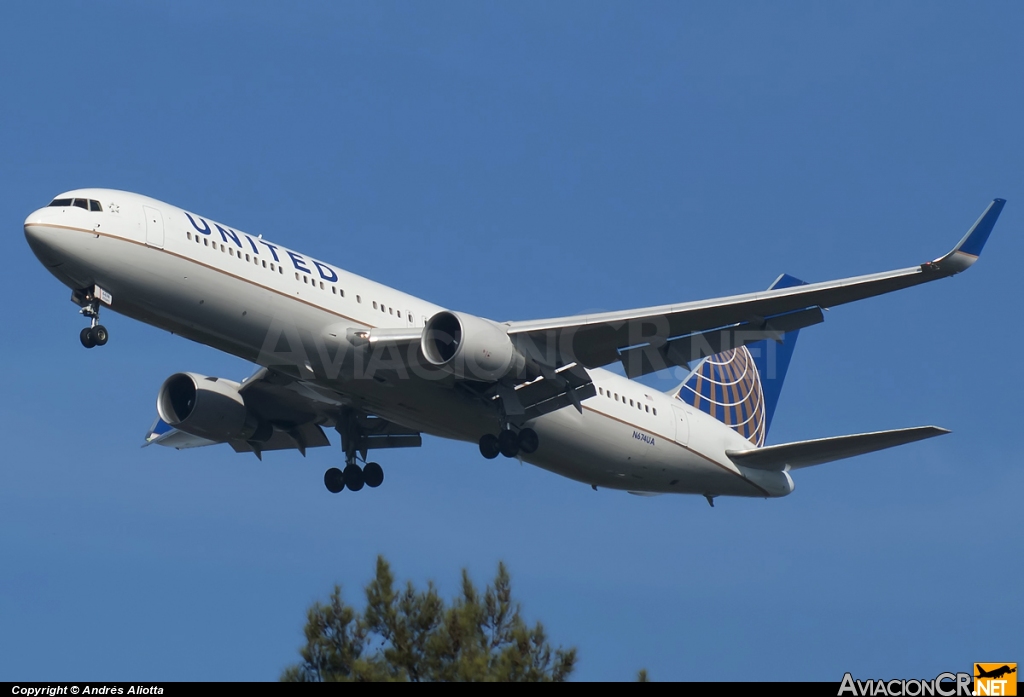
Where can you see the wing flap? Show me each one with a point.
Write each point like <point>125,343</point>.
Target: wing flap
<point>807,453</point>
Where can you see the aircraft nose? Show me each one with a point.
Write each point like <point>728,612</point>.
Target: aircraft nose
<point>34,224</point>
<point>41,236</point>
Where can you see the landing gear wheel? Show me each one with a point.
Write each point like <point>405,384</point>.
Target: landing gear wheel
<point>86,337</point>
<point>508,444</point>
<point>528,441</point>
<point>489,446</point>
<point>373,475</point>
<point>334,480</point>
<point>100,335</point>
<point>354,478</point>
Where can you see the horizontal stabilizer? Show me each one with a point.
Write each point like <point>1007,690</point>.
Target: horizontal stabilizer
<point>807,453</point>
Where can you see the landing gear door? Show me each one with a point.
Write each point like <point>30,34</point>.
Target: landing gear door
<point>154,227</point>
<point>682,425</point>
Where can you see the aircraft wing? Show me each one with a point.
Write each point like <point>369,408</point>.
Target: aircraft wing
<point>603,338</point>
<point>807,453</point>
<point>298,411</point>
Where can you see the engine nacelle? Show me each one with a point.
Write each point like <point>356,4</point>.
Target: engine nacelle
<point>210,408</point>
<point>470,347</point>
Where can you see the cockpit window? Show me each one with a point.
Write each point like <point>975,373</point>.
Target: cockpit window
<point>83,203</point>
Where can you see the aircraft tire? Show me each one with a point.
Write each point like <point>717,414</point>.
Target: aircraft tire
<point>334,480</point>
<point>508,443</point>
<point>373,475</point>
<point>100,335</point>
<point>86,337</point>
<point>489,446</point>
<point>528,441</point>
<point>354,478</point>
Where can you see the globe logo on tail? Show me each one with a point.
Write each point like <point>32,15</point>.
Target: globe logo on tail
<point>728,387</point>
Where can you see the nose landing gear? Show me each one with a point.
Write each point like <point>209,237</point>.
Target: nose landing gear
<point>95,334</point>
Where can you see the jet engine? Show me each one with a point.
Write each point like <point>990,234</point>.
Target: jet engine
<point>470,347</point>
<point>210,408</point>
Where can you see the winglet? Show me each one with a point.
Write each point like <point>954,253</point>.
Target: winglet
<point>969,249</point>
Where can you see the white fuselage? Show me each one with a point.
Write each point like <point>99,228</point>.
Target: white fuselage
<point>244,295</point>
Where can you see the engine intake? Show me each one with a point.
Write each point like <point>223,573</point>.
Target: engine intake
<point>210,408</point>
<point>470,347</point>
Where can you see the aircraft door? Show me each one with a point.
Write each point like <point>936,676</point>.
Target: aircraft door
<point>154,227</point>
<point>681,424</point>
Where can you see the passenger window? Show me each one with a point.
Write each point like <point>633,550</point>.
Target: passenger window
<point>206,242</point>
<point>247,257</point>
<point>359,299</point>
<point>272,266</point>
<point>321,285</point>
<point>374,304</point>
<point>341,292</point>
<point>264,263</point>
<point>81,203</point>
<point>647,408</point>
<point>189,234</point>
<point>655,412</point>
<point>95,206</point>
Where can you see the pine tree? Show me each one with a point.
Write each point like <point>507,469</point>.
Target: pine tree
<point>407,634</point>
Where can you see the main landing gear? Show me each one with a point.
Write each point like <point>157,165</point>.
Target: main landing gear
<point>95,334</point>
<point>353,477</point>
<point>509,443</point>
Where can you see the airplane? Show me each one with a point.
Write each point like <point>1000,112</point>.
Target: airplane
<point>995,673</point>
<point>382,367</point>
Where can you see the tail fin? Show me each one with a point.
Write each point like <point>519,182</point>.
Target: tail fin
<point>741,387</point>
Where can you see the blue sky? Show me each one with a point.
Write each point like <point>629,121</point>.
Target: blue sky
<point>522,160</point>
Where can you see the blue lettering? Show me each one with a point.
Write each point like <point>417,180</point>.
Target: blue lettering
<point>272,248</point>
<point>297,260</point>
<point>323,267</point>
<point>644,437</point>
<point>253,245</point>
<point>205,230</point>
<point>225,234</point>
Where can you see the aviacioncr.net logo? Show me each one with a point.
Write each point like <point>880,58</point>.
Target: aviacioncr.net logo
<point>943,685</point>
